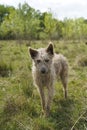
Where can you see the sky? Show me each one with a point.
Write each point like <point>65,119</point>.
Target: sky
<point>60,8</point>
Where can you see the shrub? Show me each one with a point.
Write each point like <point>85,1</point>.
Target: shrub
<point>5,69</point>
<point>26,83</point>
<point>82,60</point>
<point>10,107</point>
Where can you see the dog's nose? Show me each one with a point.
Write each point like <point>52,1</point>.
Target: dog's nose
<point>43,71</point>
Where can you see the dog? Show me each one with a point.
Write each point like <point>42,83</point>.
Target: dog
<point>48,66</point>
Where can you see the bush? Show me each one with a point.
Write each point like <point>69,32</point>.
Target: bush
<point>82,61</point>
<point>5,69</point>
<point>26,83</point>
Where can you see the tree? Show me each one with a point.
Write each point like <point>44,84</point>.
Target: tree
<point>50,24</point>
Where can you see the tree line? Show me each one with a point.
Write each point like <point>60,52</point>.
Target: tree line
<point>27,23</point>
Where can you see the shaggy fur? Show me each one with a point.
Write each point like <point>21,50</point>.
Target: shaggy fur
<point>48,66</point>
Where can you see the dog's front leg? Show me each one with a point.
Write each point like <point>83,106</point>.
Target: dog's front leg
<point>49,99</point>
<point>42,96</point>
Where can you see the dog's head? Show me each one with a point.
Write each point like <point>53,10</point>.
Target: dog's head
<point>42,58</point>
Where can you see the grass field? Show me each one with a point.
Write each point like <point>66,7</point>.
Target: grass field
<point>19,100</point>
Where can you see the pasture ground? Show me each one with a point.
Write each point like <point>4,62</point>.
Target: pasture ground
<point>19,100</point>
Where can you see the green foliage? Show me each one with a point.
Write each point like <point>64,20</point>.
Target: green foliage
<point>20,107</point>
<point>27,23</point>
<point>4,12</point>
<point>49,24</point>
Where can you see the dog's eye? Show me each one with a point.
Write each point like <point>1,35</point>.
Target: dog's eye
<point>38,61</point>
<point>46,60</point>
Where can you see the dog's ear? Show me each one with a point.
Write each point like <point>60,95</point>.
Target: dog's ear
<point>49,49</point>
<point>33,52</point>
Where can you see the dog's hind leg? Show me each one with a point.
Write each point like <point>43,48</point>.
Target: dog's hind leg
<point>64,79</point>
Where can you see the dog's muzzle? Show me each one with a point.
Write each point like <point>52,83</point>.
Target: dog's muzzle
<point>43,70</point>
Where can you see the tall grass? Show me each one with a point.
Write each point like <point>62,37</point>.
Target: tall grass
<point>20,107</point>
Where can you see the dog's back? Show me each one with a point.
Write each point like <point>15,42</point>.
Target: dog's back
<point>60,65</point>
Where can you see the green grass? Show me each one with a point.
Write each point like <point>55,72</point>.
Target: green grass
<point>20,107</point>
